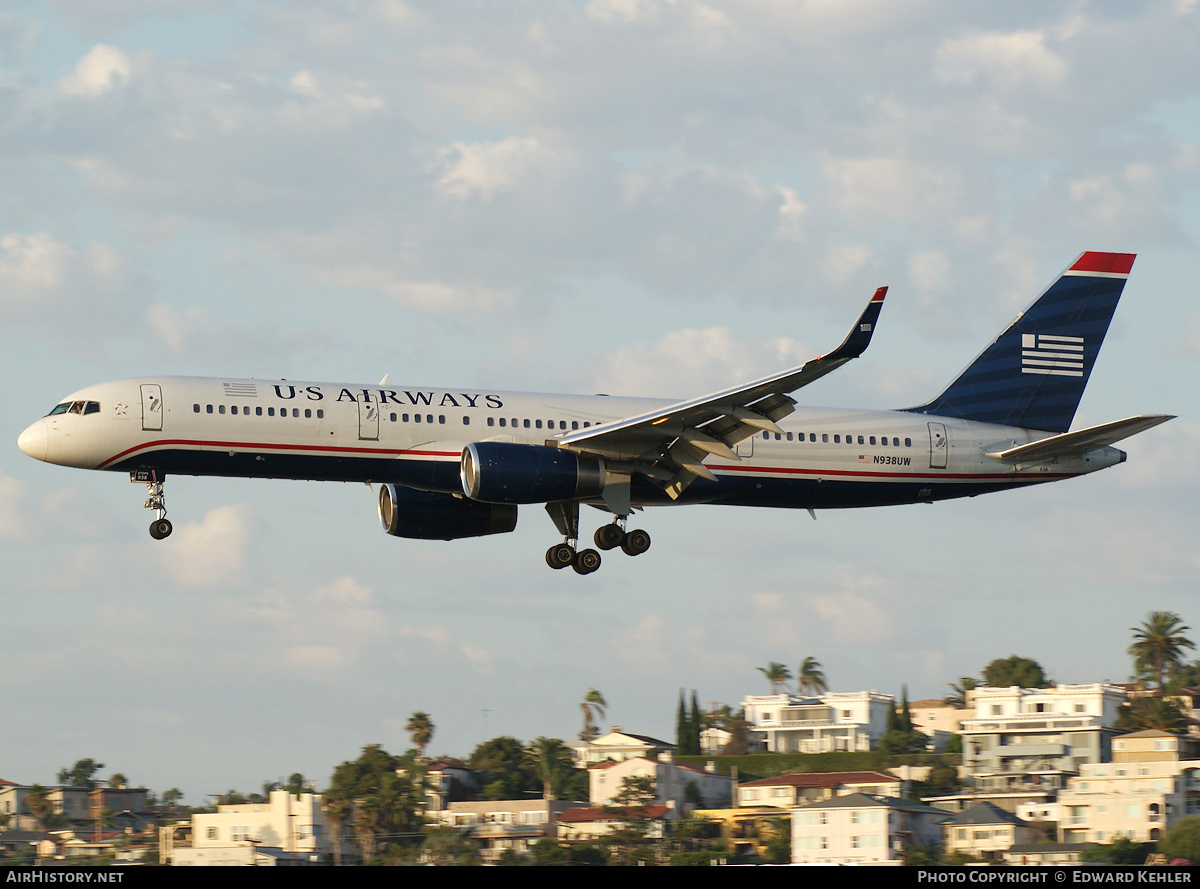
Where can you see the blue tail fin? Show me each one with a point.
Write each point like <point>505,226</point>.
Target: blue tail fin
<point>1034,373</point>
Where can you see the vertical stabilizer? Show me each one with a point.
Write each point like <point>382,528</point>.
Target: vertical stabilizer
<point>1034,373</point>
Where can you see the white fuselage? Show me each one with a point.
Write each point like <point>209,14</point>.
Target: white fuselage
<point>414,436</point>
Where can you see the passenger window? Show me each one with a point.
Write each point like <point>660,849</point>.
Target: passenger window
<point>442,419</point>
<point>537,424</point>
<point>860,440</point>
<point>502,421</point>
<point>908,442</point>
<point>220,408</point>
<point>270,412</point>
<point>526,424</point>
<point>233,410</point>
<point>574,424</point>
<point>404,418</point>
<point>195,408</point>
<point>825,437</point>
<point>416,418</point>
<point>392,417</point>
<point>895,442</point>
<point>466,420</point>
<point>837,439</point>
<point>872,439</point>
<point>789,436</point>
<point>812,436</point>
<point>208,408</point>
<point>308,413</point>
<point>491,421</point>
<point>320,414</point>
<point>258,412</point>
<point>429,418</point>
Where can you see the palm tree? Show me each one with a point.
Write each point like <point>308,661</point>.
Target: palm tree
<point>1158,646</point>
<point>593,705</point>
<point>810,677</point>
<point>960,689</point>
<point>336,808</point>
<point>550,760</point>
<point>420,726</point>
<point>777,674</point>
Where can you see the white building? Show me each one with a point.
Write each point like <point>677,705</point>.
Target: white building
<point>1142,792</point>
<point>788,723</point>
<point>1035,738</point>
<point>505,825</point>
<point>796,789</point>
<point>617,745</point>
<point>859,829</point>
<point>288,828</point>
<point>672,780</point>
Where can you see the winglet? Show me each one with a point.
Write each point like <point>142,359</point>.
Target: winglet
<point>859,338</point>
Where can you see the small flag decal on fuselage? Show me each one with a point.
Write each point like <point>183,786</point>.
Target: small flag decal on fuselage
<point>240,390</point>
<point>1043,353</point>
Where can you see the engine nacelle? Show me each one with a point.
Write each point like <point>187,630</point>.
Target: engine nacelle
<point>500,472</point>
<point>404,512</point>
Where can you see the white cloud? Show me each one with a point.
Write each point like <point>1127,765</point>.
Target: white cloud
<point>103,68</point>
<point>695,360</point>
<point>212,551</point>
<point>1007,59</point>
<point>483,169</point>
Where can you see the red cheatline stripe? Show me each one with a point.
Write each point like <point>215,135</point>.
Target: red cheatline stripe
<point>268,446</point>
<point>1105,263</point>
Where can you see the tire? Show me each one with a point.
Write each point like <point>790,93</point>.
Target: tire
<point>586,561</point>
<point>560,556</point>
<point>160,528</point>
<point>608,537</point>
<point>635,543</point>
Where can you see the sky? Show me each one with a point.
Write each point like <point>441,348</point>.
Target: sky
<point>639,197</point>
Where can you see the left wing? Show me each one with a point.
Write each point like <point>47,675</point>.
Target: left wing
<point>669,445</point>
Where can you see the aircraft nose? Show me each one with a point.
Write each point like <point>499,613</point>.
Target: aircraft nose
<point>35,440</point>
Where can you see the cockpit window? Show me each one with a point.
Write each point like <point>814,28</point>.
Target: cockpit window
<point>76,407</point>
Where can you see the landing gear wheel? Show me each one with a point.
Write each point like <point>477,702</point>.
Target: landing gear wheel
<point>560,556</point>
<point>160,528</point>
<point>635,542</point>
<point>586,561</point>
<point>608,536</point>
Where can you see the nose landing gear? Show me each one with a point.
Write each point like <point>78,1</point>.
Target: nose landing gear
<point>160,527</point>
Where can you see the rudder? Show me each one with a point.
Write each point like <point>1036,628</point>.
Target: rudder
<point>1033,374</point>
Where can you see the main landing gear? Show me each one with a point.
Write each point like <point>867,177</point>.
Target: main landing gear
<point>160,527</point>
<point>610,536</point>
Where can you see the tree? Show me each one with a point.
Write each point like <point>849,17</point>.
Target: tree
<point>777,674</point>
<point>336,808</point>
<point>810,677</point>
<point>82,774</point>
<point>682,726</point>
<point>551,761</point>
<point>502,769</point>
<point>118,781</point>
<point>1158,646</point>
<point>1182,840</point>
<point>420,726</point>
<point>960,689</point>
<point>593,706</point>
<point>1013,670</point>
<point>385,805</point>
<point>1163,714</point>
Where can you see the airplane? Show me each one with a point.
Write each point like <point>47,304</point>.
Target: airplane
<point>454,463</point>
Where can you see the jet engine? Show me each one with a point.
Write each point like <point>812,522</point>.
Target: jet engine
<point>404,512</point>
<point>501,472</point>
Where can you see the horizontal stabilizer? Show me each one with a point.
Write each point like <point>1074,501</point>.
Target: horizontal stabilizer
<point>1073,444</point>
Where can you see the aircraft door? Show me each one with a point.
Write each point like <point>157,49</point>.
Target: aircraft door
<point>152,408</point>
<point>745,447</point>
<point>939,446</point>
<point>368,420</point>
